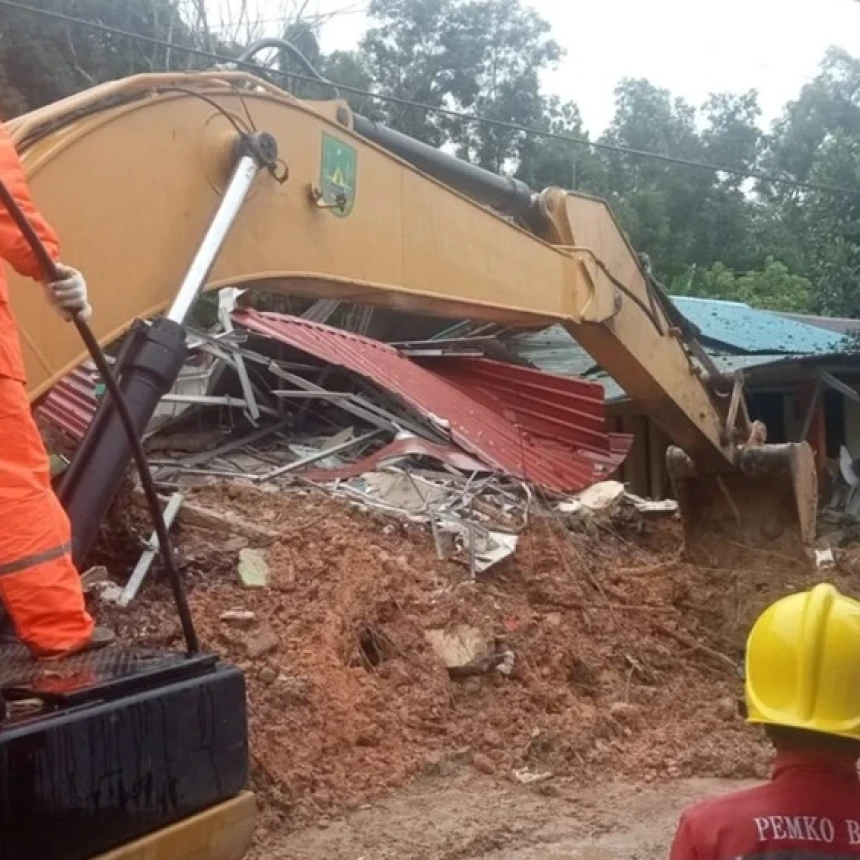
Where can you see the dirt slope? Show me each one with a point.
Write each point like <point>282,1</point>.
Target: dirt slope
<point>625,656</point>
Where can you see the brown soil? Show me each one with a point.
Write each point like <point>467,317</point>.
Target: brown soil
<point>626,655</point>
<point>464,816</point>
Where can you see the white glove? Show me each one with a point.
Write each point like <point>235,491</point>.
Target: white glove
<point>69,294</point>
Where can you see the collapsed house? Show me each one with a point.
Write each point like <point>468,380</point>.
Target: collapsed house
<point>801,373</point>
<point>454,439</point>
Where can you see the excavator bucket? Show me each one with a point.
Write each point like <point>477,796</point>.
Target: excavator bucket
<point>768,503</point>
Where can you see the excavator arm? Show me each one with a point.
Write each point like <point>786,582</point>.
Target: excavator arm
<point>130,174</point>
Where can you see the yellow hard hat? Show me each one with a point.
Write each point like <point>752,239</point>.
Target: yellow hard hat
<point>803,663</point>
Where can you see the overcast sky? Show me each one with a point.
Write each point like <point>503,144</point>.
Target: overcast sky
<point>691,48</point>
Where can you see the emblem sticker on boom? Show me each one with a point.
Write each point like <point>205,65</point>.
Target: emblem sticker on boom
<point>338,174</point>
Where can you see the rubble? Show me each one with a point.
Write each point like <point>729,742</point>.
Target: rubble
<point>94,577</point>
<point>261,642</point>
<point>610,496</point>
<point>225,523</point>
<point>149,554</point>
<point>598,497</point>
<point>410,568</point>
<point>824,558</point>
<point>253,568</point>
<point>423,437</point>
<point>107,591</point>
<point>588,654</point>
<point>526,777</point>
<point>268,675</point>
<point>239,617</point>
<point>385,408</point>
<point>458,648</point>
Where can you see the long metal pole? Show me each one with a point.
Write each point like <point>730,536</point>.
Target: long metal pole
<point>243,177</point>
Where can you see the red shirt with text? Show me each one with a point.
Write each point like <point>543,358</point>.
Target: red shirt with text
<point>810,808</point>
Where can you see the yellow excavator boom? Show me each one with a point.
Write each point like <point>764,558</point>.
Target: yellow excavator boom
<point>130,172</point>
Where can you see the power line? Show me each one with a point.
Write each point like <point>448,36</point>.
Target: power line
<point>453,114</point>
<point>314,20</point>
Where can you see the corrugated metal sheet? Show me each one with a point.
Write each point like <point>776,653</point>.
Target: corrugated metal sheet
<point>71,403</point>
<point>841,325</point>
<point>736,337</point>
<point>537,446</point>
<point>552,350</point>
<point>747,329</point>
<point>566,411</point>
<point>727,364</point>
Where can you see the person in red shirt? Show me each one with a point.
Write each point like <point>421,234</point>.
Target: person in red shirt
<point>39,585</point>
<point>803,685</point>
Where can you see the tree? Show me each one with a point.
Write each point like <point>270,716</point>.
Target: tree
<point>512,48</point>
<point>349,68</point>
<point>713,233</point>
<point>43,60</point>
<point>550,161</point>
<point>477,56</point>
<point>416,52</point>
<point>834,227</point>
<point>653,199</point>
<point>773,287</point>
<point>817,139</point>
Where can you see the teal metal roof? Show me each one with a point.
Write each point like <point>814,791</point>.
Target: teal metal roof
<point>552,350</point>
<point>727,364</point>
<point>744,329</point>
<point>735,335</point>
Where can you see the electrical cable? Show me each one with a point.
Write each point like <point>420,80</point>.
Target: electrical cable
<point>214,105</point>
<point>289,47</point>
<point>745,173</point>
<point>280,175</point>
<point>50,268</point>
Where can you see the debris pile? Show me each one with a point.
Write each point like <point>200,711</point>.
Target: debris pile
<point>418,561</point>
<point>447,438</point>
<point>589,653</point>
<point>839,519</point>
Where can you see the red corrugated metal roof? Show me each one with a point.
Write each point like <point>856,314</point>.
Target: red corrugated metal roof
<point>566,410</point>
<point>546,429</point>
<point>70,405</point>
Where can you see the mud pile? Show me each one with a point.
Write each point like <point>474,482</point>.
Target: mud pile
<point>625,657</point>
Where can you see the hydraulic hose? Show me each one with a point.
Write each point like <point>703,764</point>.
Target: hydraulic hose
<point>49,266</point>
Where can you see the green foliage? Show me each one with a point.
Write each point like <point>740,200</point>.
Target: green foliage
<point>549,161</point>
<point>478,56</point>
<point>707,233</point>
<point>772,287</point>
<point>43,60</point>
<point>818,140</point>
<point>418,50</point>
<point>502,81</point>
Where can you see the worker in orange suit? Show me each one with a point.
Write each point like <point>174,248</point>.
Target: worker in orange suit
<point>39,585</point>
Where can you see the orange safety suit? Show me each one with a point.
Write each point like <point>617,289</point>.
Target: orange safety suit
<point>39,585</point>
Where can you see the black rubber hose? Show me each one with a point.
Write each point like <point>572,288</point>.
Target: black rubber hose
<point>283,45</point>
<point>179,594</point>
